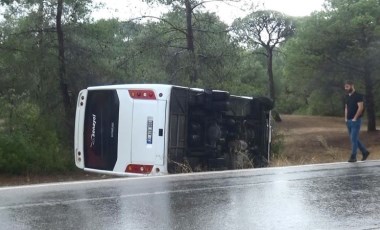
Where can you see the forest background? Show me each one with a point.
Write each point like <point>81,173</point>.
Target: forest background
<point>51,49</point>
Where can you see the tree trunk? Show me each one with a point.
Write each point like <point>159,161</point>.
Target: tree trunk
<point>189,26</point>
<point>41,49</point>
<point>190,41</point>
<point>272,94</point>
<point>369,101</point>
<point>62,68</point>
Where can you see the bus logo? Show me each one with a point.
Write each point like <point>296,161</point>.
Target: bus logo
<point>93,130</point>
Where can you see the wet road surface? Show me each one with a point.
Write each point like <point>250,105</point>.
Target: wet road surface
<point>333,196</point>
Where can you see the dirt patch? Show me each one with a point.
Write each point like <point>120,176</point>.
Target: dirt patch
<point>313,139</point>
<point>307,140</point>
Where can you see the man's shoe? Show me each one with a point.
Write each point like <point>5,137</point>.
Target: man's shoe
<point>352,160</point>
<point>365,156</point>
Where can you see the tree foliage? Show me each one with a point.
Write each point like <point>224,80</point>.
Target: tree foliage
<point>339,43</point>
<point>265,29</point>
<point>160,51</point>
<point>45,60</point>
<point>34,122</point>
<point>187,11</point>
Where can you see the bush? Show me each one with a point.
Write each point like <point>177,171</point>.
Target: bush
<point>29,143</point>
<point>277,143</point>
<point>21,155</point>
<point>12,158</point>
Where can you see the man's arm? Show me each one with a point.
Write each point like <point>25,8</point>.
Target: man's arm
<point>345,112</point>
<point>359,111</point>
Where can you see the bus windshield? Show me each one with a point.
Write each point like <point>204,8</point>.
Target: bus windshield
<point>101,129</point>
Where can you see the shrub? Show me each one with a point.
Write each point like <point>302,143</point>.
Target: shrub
<point>29,143</point>
<point>23,155</point>
<point>277,143</point>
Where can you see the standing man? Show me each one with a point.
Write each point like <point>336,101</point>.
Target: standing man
<point>353,112</point>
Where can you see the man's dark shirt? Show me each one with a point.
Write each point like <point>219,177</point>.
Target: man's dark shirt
<point>352,104</point>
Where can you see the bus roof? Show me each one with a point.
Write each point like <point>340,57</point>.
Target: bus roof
<point>153,86</point>
<point>131,86</point>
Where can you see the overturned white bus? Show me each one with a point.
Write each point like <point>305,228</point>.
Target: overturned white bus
<point>149,129</point>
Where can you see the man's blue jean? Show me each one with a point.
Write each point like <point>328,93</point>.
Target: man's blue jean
<point>353,131</point>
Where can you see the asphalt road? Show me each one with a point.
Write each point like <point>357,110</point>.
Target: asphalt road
<point>332,196</point>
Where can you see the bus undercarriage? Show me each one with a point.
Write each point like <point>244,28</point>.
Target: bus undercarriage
<point>211,130</point>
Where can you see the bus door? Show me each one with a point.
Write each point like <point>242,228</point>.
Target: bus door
<point>148,128</point>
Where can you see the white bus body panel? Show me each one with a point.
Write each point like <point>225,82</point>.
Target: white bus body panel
<point>148,148</point>
<point>132,143</point>
<point>125,135</point>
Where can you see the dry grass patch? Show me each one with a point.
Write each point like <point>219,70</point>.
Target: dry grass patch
<point>314,139</point>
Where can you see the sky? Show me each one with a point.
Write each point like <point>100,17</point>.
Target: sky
<point>127,9</point>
